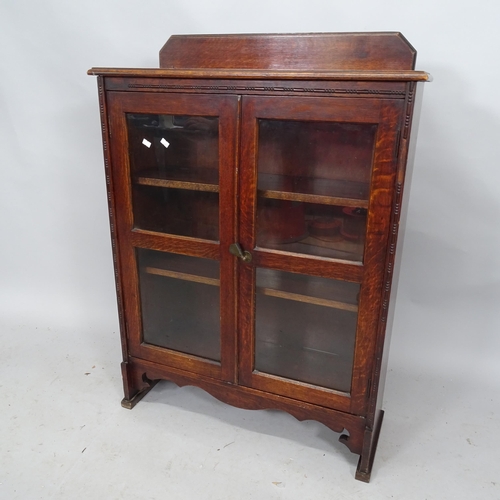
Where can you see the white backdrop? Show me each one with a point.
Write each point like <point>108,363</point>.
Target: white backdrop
<point>55,258</point>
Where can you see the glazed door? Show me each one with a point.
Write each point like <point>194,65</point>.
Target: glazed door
<point>315,203</point>
<point>173,170</point>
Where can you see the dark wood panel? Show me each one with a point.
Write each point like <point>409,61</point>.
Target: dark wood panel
<point>326,51</point>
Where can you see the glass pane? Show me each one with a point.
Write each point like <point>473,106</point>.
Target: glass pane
<point>177,211</point>
<point>180,302</point>
<point>313,185</point>
<point>305,328</point>
<point>174,162</point>
<point>313,229</point>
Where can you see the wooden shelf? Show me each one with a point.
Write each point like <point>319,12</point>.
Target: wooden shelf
<point>335,248</point>
<point>319,191</point>
<point>165,183</point>
<point>313,190</point>
<point>270,292</point>
<point>308,198</point>
<point>308,289</point>
<point>264,291</point>
<point>187,268</point>
<point>182,276</point>
<point>171,268</point>
<point>193,179</point>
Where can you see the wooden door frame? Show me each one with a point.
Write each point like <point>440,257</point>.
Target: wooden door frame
<point>386,114</point>
<point>226,108</point>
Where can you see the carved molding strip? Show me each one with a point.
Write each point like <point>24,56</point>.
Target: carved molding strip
<point>104,130</point>
<point>241,88</point>
<point>393,236</point>
<point>409,109</point>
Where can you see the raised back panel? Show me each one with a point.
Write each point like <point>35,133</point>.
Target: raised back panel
<point>314,51</point>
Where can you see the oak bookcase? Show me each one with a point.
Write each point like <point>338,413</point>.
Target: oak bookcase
<point>256,192</point>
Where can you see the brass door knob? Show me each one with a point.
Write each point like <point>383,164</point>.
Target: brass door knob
<point>235,249</point>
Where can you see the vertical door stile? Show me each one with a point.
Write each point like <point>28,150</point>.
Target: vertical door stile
<point>378,233</point>
<point>246,195</point>
<point>229,137</point>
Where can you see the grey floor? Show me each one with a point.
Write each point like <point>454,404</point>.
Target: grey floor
<point>63,434</point>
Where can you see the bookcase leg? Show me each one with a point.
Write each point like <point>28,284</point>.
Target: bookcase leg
<point>365,463</point>
<point>135,385</point>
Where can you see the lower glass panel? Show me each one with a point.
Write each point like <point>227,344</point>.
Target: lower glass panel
<point>180,302</point>
<point>312,229</point>
<point>305,328</point>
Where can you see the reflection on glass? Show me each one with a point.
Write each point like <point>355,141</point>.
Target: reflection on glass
<point>180,302</point>
<point>305,328</point>
<point>312,229</point>
<point>174,163</point>
<point>313,184</point>
<point>177,211</point>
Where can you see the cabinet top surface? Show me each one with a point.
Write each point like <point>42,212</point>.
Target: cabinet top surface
<point>313,56</point>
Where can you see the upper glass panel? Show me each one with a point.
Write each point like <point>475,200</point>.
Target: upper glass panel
<point>313,186</point>
<point>174,165</point>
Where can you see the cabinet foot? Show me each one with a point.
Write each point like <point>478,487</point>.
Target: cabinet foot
<point>362,476</point>
<point>135,385</point>
<point>365,463</point>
